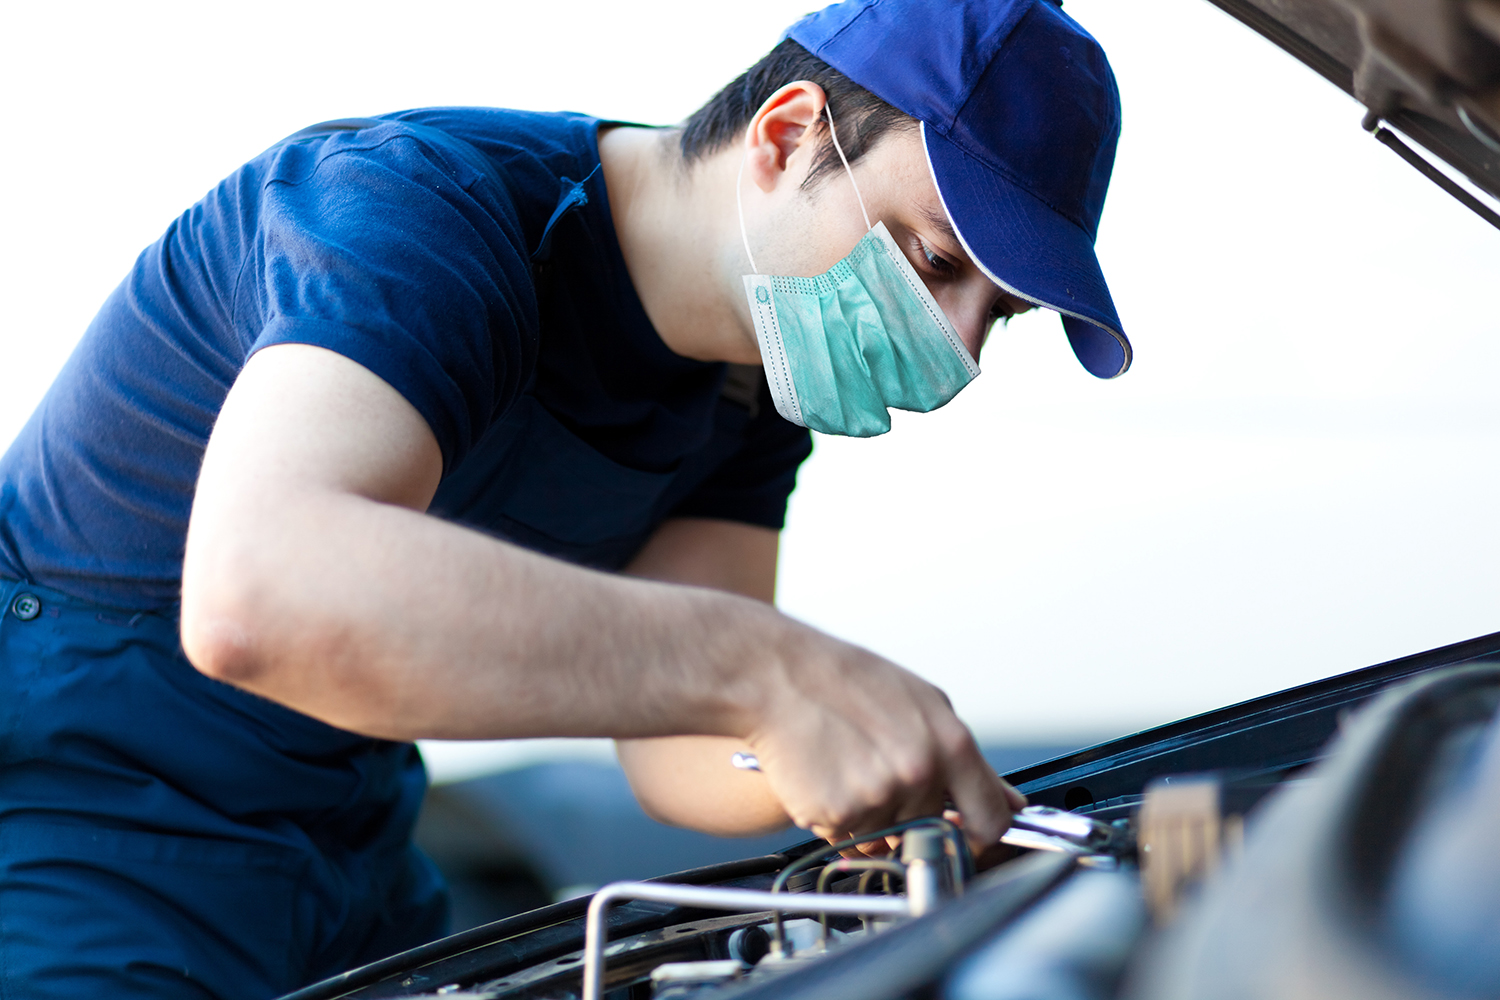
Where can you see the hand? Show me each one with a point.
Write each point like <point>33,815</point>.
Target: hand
<point>851,743</point>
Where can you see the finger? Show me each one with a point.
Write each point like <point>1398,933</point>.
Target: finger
<point>868,822</point>
<point>981,798</point>
<point>1015,798</point>
<point>867,849</point>
<point>853,853</point>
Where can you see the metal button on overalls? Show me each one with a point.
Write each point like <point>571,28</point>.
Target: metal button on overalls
<point>248,839</point>
<point>26,606</point>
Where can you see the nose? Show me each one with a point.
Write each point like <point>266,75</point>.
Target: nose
<point>973,305</point>
<point>972,330</point>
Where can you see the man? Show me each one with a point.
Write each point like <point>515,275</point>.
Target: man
<point>440,425</point>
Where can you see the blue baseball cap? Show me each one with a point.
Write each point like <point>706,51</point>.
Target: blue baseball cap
<point>1020,116</point>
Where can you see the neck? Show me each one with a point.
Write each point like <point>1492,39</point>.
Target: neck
<point>674,223</point>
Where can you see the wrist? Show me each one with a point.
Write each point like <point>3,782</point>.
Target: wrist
<point>761,654</point>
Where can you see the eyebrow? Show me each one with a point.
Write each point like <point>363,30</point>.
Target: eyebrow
<point>939,221</point>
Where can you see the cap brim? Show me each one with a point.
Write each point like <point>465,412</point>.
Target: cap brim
<point>1031,251</point>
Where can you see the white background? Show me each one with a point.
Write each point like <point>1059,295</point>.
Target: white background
<point>1295,479</point>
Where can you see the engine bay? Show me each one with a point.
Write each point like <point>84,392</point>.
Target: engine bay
<point>1078,903</point>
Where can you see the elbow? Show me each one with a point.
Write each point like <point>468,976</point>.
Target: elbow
<point>217,629</point>
<point>654,811</point>
<point>219,647</point>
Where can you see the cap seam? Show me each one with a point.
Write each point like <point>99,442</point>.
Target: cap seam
<point>847,25</point>
<point>999,50</point>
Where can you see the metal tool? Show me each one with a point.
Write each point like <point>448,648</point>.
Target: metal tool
<point>1038,828</point>
<point>745,761</point>
<point>1047,829</point>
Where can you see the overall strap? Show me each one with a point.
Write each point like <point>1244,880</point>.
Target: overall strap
<point>573,196</point>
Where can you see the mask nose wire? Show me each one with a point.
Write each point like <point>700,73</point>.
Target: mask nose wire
<point>834,133</point>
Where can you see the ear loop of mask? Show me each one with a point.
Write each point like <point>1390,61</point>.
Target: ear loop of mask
<point>739,201</point>
<point>739,204</point>
<point>845,160</point>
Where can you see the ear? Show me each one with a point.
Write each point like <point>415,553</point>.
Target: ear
<point>782,127</point>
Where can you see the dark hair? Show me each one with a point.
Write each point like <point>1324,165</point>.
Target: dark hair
<point>862,119</point>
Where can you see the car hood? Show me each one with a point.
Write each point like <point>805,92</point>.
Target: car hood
<point>1423,66</point>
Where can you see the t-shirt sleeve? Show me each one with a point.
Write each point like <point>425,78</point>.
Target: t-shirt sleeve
<point>752,485</point>
<point>403,257</point>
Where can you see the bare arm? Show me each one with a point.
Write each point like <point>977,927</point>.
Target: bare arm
<point>313,577</point>
<point>687,780</point>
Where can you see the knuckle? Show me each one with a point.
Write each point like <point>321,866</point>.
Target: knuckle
<point>803,819</point>
<point>915,769</point>
<point>954,740</point>
<point>843,819</point>
<point>846,809</point>
<point>871,795</point>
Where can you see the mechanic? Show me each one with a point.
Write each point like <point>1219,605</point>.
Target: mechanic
<point>441,425</point>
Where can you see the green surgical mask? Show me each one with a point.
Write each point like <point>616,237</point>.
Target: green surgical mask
<point>865,335</point>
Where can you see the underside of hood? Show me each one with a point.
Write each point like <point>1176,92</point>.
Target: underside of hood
<point>1430,68</point>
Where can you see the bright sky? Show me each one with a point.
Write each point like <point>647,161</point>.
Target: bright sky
<point>1296,478</point>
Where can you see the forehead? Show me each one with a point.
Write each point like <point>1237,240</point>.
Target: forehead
<point>899,160</point>
<point>895,171</point>
<point>898,175</point>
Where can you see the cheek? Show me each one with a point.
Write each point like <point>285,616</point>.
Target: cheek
<point>817,231</point>
<point>966,311</point>
<point>973,339</point>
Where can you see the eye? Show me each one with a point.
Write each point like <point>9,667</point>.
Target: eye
<point>1000,312</point>
<point>933,261</point>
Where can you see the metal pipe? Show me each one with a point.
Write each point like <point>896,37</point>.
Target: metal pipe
<point>864,883</point>
<point>869,866</point>
<point>710,898</point>
<point>920,852</point>
<point>956,837</point>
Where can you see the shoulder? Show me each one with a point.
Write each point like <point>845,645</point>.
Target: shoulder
<point>384,153</point>
<point>508,165</point>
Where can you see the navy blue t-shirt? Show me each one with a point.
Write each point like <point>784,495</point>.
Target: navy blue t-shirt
<point>468,258</point>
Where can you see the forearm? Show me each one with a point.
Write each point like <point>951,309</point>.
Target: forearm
<point>687,780</point>
<point>389,622</point>
<point>313,576</point>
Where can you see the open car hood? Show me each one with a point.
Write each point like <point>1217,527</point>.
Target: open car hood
<point>1430,68</point>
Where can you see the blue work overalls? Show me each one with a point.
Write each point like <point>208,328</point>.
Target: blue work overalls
<point>136,794</point>
<point>275,847</point>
